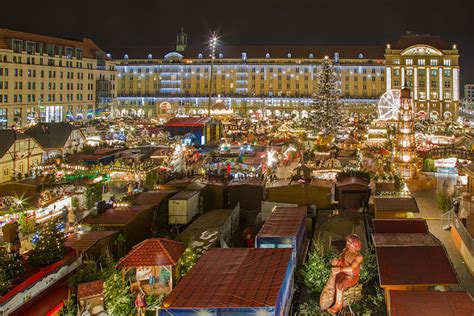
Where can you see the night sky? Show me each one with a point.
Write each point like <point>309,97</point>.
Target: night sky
<point>144,23</point>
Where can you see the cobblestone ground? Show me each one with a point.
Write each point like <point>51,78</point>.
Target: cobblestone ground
<point>427,203</point>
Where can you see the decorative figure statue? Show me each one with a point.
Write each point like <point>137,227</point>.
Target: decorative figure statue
<point>140,302</point>
<point>344,274</point>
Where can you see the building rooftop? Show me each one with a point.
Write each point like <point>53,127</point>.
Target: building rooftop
<point>51,135</point>
<point>258,52</point>
<point>89,48</point>
<point>406,41</point>
<point>232,277</point>
<point>8,138</point>
<point>283,222</point>
<point>153,252</point>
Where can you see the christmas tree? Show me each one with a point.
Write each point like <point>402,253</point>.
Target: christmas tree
<point>327,115</point>
<point>117,296</point>
<point>48,244</point>
<point>10,270</point>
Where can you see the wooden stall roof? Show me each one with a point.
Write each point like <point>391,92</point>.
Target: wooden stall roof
<point>283,222</point>
<point>184,195</point>
<point>430,303</point>
<point>414,265</point>
<point>395,204</point>
<point>153,252</point>
<point>117,216</point>
<point>90,289</point>
<point>352,180</point>
<point>388,226</point>
<point>153,197</point>
<point>225,278</point>
<point>250,182</point>
<point>84,241</point>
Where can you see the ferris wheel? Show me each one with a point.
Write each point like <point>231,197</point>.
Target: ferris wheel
<point>389,104</point>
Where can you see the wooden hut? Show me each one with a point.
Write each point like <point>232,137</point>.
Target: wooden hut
<point>155,263</point>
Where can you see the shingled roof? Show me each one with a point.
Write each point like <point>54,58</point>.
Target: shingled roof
<point>51,135</point>
<point>7,138</point>
<point>89,48</point>
<point>153,252</point>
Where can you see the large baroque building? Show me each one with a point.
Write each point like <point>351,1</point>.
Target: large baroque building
<point>279,80</point>
<point>430,69</point>
<point>52,79</point>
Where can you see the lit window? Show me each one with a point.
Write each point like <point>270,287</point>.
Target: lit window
<point>409,61</point>
<point>421,62</point>
<point>447,62</point>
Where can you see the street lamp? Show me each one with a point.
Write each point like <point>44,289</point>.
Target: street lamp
<point>212,49</point>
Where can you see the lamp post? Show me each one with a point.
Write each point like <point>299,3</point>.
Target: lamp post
<point>212,48</point>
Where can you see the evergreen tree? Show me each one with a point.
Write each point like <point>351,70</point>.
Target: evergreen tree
<point>326,115</point>
<point>118,299</point>
<point>10,270</point>
<point>49,244</point>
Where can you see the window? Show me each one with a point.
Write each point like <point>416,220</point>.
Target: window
<point>447,62</point>
<point>447,72</point>
<point>434,72</point>
<point>396,72</point>
<point>433,62</point>
<point>17,46</point>
<point>408,61</point>
<point>5,172</point>
<point>396,61</point>
<point>409,72</point>
<point>421,62</point>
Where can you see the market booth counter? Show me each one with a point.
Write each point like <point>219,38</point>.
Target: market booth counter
<point>154,262</point>
<point>235,281</point>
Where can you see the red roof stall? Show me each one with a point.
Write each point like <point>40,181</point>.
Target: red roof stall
<point>196,130</point>
<point>235,281</point>
<point>153,259</point>
<point>409,257</point>
<point>285,228</point>
<point>430,303</point>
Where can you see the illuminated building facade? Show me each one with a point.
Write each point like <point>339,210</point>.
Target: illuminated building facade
<point>430,69</point>
<point>52,79</point>
<point>405,148</point>
<point>272,80</point>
